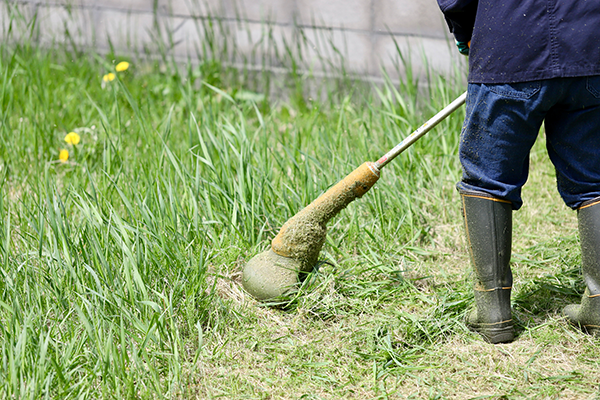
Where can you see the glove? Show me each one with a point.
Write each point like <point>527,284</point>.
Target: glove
<point>463,47</point>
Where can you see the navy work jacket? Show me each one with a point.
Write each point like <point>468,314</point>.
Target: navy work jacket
<point>526,40</point>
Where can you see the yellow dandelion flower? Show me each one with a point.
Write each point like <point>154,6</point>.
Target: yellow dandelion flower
<point>72,138</point>
<point>63,156</point>
<point>122,66</point>
<point>109,77</point>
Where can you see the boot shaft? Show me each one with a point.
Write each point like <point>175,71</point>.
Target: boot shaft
<point>488,227</point>
<point>588,216</point>
<point>587,313</point>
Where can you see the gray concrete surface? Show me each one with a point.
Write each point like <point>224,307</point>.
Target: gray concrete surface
<point>368,33</point>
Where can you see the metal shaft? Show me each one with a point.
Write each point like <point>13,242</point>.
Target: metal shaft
<point>422,130</point>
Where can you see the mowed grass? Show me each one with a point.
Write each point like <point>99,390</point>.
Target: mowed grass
<point>121,266</point>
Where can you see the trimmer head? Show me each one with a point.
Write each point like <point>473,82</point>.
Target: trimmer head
<point>269,276</point>
<point>296,247</point>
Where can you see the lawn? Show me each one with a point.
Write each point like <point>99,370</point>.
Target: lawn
<point>121,248</point>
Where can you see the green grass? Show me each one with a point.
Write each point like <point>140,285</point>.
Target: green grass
<point>121,267</point>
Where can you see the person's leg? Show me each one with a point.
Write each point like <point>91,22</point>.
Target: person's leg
<point>501,125</point>
<point>573,141</point>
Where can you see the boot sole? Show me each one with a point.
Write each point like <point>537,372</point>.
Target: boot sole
<point>502,332</point>
<point>572,313</point>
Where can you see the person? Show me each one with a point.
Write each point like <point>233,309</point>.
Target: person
<point>530,62</point>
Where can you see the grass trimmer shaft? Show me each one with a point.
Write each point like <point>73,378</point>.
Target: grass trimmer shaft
<point>295,249</point>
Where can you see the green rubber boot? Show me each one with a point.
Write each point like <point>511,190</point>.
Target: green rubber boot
<point>488,225</point>
<point>587,314</point>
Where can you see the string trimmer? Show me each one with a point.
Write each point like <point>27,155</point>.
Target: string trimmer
<point>295,250</point>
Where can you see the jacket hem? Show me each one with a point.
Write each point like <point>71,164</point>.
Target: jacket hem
<point>512,77</point>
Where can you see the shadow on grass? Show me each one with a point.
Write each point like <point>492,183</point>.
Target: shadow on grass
<point>546,295</point>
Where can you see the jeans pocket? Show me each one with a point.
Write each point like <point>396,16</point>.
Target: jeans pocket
<point>593,86</point>
<point>521,90</point>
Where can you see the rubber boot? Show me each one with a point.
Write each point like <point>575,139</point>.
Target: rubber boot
<point>488,226</point>
<point>587,314</point>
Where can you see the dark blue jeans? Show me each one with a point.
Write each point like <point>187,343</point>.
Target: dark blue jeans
<point>502,124</point>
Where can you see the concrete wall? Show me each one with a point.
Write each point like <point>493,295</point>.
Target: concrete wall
<point>367,33</point>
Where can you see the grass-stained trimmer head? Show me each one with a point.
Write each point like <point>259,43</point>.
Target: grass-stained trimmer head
<point>296,247</point>
<point>295,250</point>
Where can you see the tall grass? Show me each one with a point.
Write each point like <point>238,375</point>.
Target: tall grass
<point>108,260</point>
